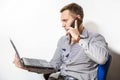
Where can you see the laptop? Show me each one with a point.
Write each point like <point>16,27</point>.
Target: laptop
<point>33,63</point>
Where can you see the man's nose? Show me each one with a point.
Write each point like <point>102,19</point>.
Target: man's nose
<point>63,25</point>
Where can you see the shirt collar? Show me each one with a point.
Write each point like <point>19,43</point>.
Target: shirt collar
<point>84,34</point>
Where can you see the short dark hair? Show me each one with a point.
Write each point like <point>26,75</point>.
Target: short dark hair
<point>74,8</point>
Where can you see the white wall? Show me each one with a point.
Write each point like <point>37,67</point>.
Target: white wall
<point>34,26</point>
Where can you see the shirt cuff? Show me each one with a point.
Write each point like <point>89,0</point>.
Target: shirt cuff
<point>84,43</point>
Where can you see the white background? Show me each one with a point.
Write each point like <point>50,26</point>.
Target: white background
<point>35,27</point>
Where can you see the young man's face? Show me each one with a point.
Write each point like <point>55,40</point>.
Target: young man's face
<point>66,19</point>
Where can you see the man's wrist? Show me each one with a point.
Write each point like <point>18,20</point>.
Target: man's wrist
<point>78,39</point>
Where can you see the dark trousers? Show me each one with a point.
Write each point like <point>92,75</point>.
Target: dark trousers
<point>51,78</point>
<point>63,78</point>
<point>46,76</point>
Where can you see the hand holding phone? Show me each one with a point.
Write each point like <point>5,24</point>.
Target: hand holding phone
<point>79,22</point>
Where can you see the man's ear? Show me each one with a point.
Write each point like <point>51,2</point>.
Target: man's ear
<point>79,16</point>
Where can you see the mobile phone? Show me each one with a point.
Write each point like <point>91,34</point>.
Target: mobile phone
<point>79,21</point>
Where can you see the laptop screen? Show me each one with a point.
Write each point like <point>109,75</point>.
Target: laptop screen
<point>15,50</point>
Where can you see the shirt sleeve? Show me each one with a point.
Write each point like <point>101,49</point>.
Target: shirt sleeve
<point>56,61</point>
<point>96,48</point>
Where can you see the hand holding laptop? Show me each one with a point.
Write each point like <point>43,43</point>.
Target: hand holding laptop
<point>18,63</point>
<point>30,64</point>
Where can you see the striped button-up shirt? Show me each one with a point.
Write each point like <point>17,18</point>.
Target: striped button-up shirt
<point>80,60</point>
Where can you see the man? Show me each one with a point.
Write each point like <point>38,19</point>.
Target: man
<point>79,52</point>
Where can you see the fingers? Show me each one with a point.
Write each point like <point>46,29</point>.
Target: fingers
<point>76,26</point>
<point>16,59</point>
<point>17,62</point>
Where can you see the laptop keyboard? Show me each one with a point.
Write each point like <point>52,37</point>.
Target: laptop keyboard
<point>35,62</point>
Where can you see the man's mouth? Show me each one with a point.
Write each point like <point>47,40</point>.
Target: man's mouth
<point>66,29</point>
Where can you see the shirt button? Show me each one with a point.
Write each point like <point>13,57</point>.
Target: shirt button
<point>81,44</point>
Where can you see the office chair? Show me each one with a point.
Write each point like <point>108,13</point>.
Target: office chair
<point>103,69</point>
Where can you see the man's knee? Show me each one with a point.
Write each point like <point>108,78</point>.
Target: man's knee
<point>55,75</point>
<point>52,76</point>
